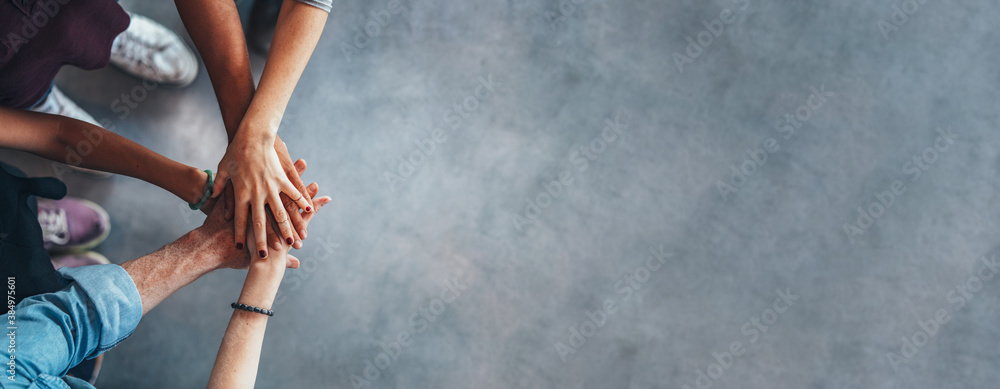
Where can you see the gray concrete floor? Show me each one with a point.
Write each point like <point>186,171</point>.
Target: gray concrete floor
<point>378,255</point>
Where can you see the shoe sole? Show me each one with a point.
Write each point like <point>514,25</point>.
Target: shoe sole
<point>96,256</point>
<point>90,172</point>
<point>168,85</point>
<point>94,242</point>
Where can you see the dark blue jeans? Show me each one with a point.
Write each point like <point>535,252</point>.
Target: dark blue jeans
<point>22,250</point>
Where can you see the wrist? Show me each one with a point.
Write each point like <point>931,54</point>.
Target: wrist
<point>271,267</point>
<point>261,285</point>
<point>197,180</point>
<point>258,130</point>
<point>195,251</point>
<point>207,252</point>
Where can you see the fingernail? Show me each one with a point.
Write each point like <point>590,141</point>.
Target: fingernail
<point>289,240</point>
<point>309,209</point>
<point>239,246</point>
<point>302,234</point>
<point>262,254</point>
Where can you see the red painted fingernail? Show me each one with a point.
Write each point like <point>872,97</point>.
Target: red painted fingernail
<point>262,254</point>
<point>309,209</point>
<point>288,240</point>
<point>239,246</point>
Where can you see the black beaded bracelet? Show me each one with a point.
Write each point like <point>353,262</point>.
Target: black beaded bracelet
<point>251,308</point>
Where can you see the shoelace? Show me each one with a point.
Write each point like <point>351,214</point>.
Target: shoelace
<point>55,227</point>
<point>132,47</point>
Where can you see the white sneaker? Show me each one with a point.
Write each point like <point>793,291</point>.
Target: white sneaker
<point>58,104</point>
<point>150,51</point>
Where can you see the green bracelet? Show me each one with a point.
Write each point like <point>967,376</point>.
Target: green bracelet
<point>208,192</point>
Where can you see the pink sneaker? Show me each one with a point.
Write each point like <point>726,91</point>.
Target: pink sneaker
<point>72,224</point>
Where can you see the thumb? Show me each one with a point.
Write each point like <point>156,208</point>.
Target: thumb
<point>292,263</point>
<point>220,183</point>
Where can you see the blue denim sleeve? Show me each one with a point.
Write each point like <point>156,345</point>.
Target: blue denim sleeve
<point>49,333</point>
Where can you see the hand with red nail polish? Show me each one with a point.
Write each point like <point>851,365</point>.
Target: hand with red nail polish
<point>291,212</point>
<point>280,249</point>
<point>257,167</point>
<point>274,242</point>
<point>217,233</point>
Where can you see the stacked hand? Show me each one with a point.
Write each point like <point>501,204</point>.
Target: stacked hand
<point>263,181</point>
<point>220,230</point>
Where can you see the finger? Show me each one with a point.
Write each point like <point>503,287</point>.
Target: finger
<point>240,224</point>
<point>252,241</point>
<point>281,218</point>
<point>259,219</point>
<point>300,166</point>
<point>320,202</point>
<point>292,172</point>
<point>253,254</point>
<point>300,223</point>
<point>220,183</point>
<point>312,189</point>
<point>296,195</point>
<point>209,207</point>
<point>229,199</point>
<point>296,177</point>
<point>273,240</point>
<point>298,227</point>
<point>292,262</point>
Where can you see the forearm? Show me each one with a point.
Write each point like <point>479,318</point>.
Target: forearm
<point>83,144</point>
<point>295,37</point>
<point>239,354</point>
<point>214,26</point>
<point>160,274</point>
<point>116,154</point>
